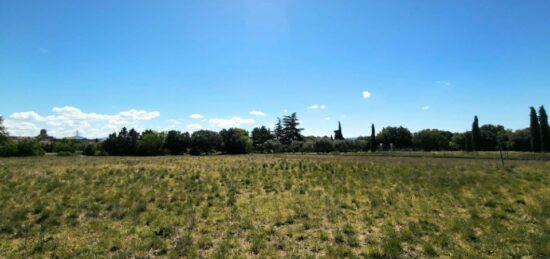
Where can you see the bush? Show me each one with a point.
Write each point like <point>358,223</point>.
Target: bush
<point>324,145</point>
<point>90,150</point>
<point>29,148</point>
<point>272,146</point>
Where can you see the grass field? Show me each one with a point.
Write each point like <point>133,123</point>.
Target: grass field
<point>274,206</point>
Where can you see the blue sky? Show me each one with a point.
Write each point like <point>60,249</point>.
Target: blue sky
<point>96,66</point>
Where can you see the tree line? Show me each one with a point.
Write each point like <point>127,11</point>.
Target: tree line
<point>287,136</point>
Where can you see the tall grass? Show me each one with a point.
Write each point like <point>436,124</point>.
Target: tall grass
<point>273,206</point>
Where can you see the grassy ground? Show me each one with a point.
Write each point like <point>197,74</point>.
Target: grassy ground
<point>274,206</point>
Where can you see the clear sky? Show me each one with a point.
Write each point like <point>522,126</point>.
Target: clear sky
<point>96,66</point>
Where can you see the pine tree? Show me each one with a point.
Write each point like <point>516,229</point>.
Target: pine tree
<point>338,133</point>
<point>291,132</point>
<point>544,129</point>
<point>476,135</point>
<point>278,130</point>
<point>372,139</point>
<point>535,131</point>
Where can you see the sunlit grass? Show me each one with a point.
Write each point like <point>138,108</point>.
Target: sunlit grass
<point>273,206</point>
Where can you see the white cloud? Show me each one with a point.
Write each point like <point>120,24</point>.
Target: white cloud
<point>257,113</point>
<point>69,119</point>
<point>343,116</point>
<point>229,123</point>
<point>425,108</point>
<point>327,118</point>
<point>443,83</point>
<point>196,116</point>
<point>174,122</point>
<point>194,127</point>
<point>316,106</point>
<point>366,94</point>
<point>21,128</point>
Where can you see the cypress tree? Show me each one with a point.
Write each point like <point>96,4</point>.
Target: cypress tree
<point>535,131</point>
<point>372,139</point>
<point>476,135</point>
<point>338,133</point>
<point>544,129</point>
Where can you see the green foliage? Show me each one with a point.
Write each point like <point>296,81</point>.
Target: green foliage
<point>338,133</point>
<point>235,141</point>
<point>3,132</point>
<point>290,130</point>
<point>177,143</point>
<point>90,150</point>
<point>272,146</point>
<point>151,143</point>
<point>431,139</point>
<point>373,144</point>
<point>544,129</point>
<point>205,142</point>
<point>400,137</point>
<point>260,135</point>
<point>535,131</point>
<point>324,145</point>
<point>476,135</point>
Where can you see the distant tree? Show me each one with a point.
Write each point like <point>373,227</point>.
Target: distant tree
<point>235,141</point>
<point>430,139</point>
<point>29,147</point>
<point>519,140</point>
<point>176,142</point>
<point>3,132</point>
<point>90,150</point>
<point>338,133</point>
<point>372,139</point>
<point>324,145</point>
<point>468,141</point>
<point>260,135</point>
<point>272,146</point>
<point>278,130</point>
<point>151,143</point>
<point>205,142</point>
<point>544,129</point>
<point>459,141</point>
<point>400,137</point>
<point>291,132</point>
<point>476,135</point>
<point>491,136</point>
<point>535,131</point>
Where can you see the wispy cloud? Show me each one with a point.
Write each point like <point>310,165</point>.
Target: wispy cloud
<point>425,108</point>
<point>257,113</point>
<point>230,123</point>
<point>316,106</point>
<point>194,126</point>
<point>366,94</point>
<point>327,118</point>
<point>196,116</point>
<point>443,83</point>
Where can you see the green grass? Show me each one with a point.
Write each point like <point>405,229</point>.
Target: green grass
<point>274,206</point>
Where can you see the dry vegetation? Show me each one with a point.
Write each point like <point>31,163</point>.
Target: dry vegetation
<point>273,206</point>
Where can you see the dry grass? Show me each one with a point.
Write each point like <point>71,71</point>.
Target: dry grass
<point>273,206</point>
